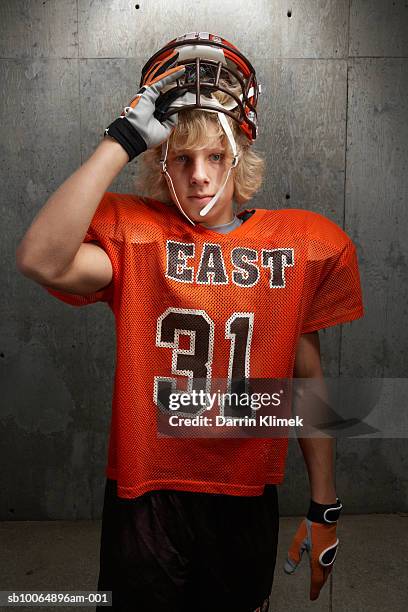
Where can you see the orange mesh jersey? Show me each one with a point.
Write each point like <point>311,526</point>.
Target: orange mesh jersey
<point>280,274</point>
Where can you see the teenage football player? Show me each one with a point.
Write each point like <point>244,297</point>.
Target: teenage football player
<point>202,288</point>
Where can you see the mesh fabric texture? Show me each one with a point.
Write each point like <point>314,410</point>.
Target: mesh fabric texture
<point>294,271</point>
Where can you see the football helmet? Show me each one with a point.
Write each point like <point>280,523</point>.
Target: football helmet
<point>212,64</point>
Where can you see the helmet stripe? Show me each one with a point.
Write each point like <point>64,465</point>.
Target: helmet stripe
<point>161,68</point>
<point>238,61</point>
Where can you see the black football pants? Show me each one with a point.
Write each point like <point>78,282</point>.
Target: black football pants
<point>178,551</point>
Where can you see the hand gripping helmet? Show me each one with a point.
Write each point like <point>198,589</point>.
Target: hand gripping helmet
<point>212,64</point>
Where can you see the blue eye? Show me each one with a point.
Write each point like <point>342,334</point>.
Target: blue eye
<point>215,157</point>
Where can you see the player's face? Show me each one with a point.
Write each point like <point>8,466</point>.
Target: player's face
<point>197,175</point>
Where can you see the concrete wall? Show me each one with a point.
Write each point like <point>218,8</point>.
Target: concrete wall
<point>334,128</point>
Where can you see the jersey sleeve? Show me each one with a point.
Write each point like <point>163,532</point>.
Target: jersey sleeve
<point>98,233</point>
<point>332,285</point>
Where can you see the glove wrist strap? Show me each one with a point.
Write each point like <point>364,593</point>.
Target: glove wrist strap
<point>324,513</point>
<point>126,135</point>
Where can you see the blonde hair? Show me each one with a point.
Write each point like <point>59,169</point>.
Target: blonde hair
<point>191,132</point>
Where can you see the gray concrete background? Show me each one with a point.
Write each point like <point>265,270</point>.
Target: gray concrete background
<point>334,128</point>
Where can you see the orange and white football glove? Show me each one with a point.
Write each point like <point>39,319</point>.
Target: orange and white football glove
<point>317,536</point>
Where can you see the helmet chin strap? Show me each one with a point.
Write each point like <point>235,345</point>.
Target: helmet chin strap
<point>207,207</point>
<point>163,164</point>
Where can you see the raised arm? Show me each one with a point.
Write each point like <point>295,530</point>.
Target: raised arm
<point>51,251</point>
